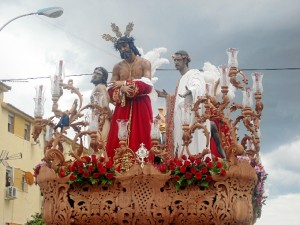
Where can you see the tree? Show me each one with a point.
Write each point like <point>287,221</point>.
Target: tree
<point>37,219</point>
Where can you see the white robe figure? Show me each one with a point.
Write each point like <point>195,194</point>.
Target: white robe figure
<point>194,81</point>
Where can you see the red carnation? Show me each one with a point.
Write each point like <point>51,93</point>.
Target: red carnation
<point>72,177</point>
<point>102,170</point>
<point>193,170</point>
<point>188,175</point>
<point>102,159</point>
<point>109,164</point>
<point>198,176</point>
<point>178,163</point>
<point>184,157</point>
<point>86,174</point>
<point>163,168</point>
<point>176,178</point>
<point>187,163</point>
<point>80,170</point>
<point>110,176</point>
<point>96,175</point>
<point>72,168</point>
<point>207,159</point>
<point>182,169</point>
<point>192,158</point>
<point>86,158</point>
<point>223,172</point>
<point>208,178</point>
<point>172,167</point>
<point>62,173</point>
<point>91,168</point>
<point>209,165</point>
<point>198,161</point>
<point>94,159</point>
<point>204,170</point>
<point>171,162</point>
<point>219,165</point>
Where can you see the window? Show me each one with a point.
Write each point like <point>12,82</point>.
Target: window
<point>27,131</point>
<point>9,177</point>
<point>24,182</point>
<point>11,123</point>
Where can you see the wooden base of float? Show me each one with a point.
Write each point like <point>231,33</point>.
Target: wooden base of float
<point>145,196</point>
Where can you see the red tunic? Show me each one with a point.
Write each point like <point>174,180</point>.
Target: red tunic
<point>140,117</point>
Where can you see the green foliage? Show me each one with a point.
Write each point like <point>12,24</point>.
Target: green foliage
<point>37,219</point>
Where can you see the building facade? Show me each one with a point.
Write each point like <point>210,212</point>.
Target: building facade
<point>19,196</point>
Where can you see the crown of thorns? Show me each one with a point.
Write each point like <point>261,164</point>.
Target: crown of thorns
<point>116,30</point>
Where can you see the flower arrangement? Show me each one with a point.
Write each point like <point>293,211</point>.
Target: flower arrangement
<point>89,169</point>
<point>189,170</point>
<point>36,169</point>
<point>259,195</point>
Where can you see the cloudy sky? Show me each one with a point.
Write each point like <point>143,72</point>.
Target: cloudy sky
<point>266,32</point>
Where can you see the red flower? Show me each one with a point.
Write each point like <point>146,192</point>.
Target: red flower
<point>91,168</point>
<point>102,170</point>
<point>109,164</point>
<point>72,177</point>
<point>187,163</point>
<point>96,175</point>
<point>192,158</point>
<point>171,162</point>
<point>172,167</point>
<point>223,172</point>
<point>208,178</point>
<point>219,165</point>
<point>102,159</point>
<point>94,159</point>
<point>209,165</point>
<point>188,175</point>
<point>182,169</point>
<point>162,168</point>
<point>62,173</point>
<point>176,178</point>
<point>207,159</point>
<point>72,168</point>
<point>198,176</point>
<point>79,163</point>
<point>86,174</point>
<point>86,158</point>
<point>198,161</point>
<point>204,170</point>
<point>193,170</point>
<point>178,163</point>
<point>110,176</point>
<point>184,157</point>
<point>80,170</point>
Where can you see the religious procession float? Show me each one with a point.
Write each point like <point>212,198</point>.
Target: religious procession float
<point>155,185</point>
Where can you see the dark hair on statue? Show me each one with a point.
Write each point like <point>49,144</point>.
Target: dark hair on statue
<point>103,79</point>
<point>130,41</point>
<point>184,55</point>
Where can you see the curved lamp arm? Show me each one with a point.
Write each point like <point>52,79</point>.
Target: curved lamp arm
<point>52,12</point>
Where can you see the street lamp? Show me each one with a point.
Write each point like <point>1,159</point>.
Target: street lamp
<point>52,12</point>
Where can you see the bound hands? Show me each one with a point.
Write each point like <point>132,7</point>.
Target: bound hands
<point>127,89</point>
<point>186,93</point>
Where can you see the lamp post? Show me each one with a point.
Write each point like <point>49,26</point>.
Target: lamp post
<point>52,12</point>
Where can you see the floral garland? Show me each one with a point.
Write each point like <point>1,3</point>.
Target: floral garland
<point>189,170</point>
<point>259,194</point>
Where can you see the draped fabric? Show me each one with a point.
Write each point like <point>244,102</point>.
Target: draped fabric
<point>136,108</point>
<point>194,81</point>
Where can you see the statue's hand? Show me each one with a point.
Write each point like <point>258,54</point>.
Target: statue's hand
<point>186,93</point>
<point>162,94</point>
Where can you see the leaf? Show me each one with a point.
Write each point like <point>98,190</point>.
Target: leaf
<point>204,183</point>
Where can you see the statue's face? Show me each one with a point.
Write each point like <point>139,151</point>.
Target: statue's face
<point>97,75</point>
<point>125,51</point>
<point>179,62</point>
